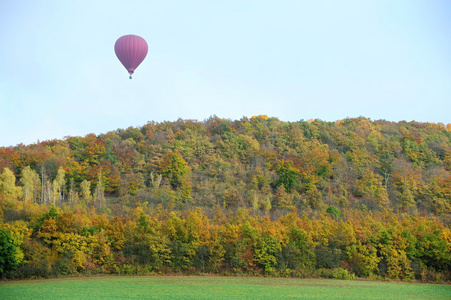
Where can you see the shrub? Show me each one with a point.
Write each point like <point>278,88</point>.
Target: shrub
<point>336,273</point>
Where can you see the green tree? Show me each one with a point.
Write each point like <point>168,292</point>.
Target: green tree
<point>407,200</point>
<point>363,259</point>
<point>333,212</point>
<point>288,175</point>
<point>266,247</point>
<point>8,260</point>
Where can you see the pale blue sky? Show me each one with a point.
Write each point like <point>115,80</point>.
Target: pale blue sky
<point>288,59</point>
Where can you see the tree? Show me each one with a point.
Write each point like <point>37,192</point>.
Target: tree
<point>30,184</point>
<point>385,164</point>
<point>363,258</point>
<point>288,175</point>
<point>85,187</point>
<point>8,260</point>
<point>282,199</point>
<point>99,193</point>
<point>370,186</point>
<point>314,197</point>
<point>407,200</point>
<point>8,188</point>
<point>266,247</point>
<point>59,186</point>
<point>73,195</point>
<point>333,212</point>
<point>174,168</point>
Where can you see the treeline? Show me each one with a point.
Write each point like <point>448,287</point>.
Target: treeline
<point>245,180</point>
<point>376,245</point>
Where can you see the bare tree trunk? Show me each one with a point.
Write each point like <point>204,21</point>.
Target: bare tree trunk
<point>42,184</point>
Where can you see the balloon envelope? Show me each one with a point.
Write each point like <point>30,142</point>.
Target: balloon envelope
<point>131,51</point>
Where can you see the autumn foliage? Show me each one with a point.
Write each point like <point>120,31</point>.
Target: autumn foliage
<point>258,196</point>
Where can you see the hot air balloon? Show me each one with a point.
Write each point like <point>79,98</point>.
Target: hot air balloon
<point>131,51</point>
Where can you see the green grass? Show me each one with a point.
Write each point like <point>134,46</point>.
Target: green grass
<point>212,287</point>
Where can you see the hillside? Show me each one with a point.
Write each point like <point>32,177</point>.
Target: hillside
<point>373,183</point>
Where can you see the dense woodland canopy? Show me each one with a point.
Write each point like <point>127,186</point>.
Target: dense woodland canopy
<point>255,196</point>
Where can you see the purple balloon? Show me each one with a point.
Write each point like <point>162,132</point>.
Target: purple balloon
<point>131,51</point>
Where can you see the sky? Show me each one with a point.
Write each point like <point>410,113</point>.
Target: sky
<point>293,60</point>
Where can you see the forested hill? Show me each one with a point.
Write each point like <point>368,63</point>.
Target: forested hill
<point>340,199</point>
<point>259,163</point>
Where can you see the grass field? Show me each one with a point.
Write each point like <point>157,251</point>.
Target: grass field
<point>206,287</point>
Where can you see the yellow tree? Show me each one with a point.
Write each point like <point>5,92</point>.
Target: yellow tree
<point>9,192</point>
<point>30,184</point>
<point>85,187</point>
<point>175,169</point>
<point>99,193</point>
<point>371,188</point>
<point>282,199</point>
<point>59,186</point>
